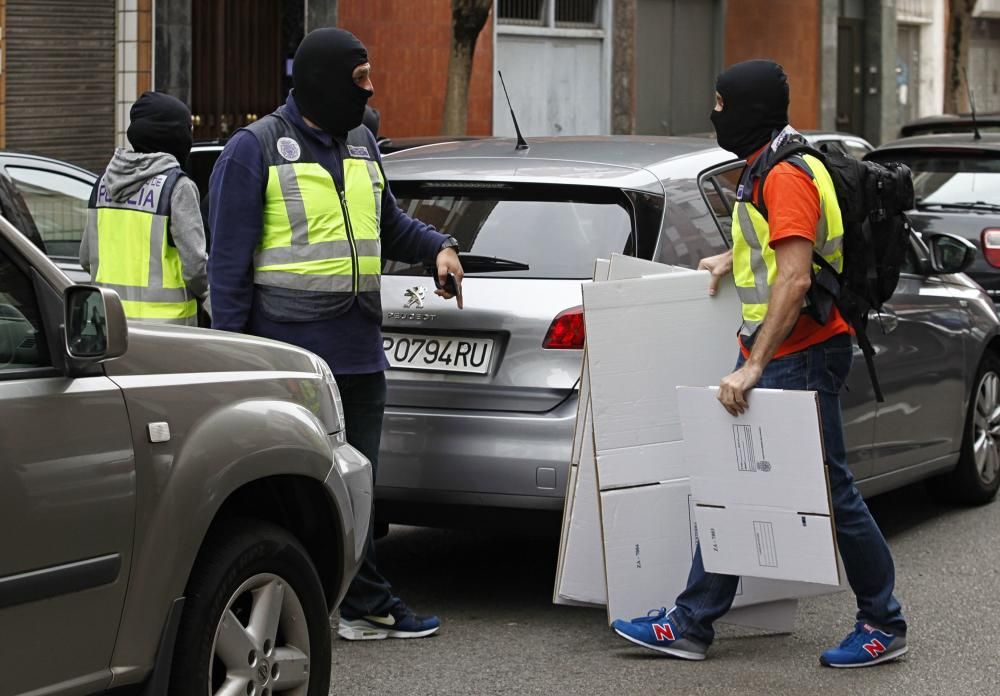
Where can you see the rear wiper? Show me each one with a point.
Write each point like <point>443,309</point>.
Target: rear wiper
<point>972,205</point>
<point>471,263</point>
<point>475,263</point>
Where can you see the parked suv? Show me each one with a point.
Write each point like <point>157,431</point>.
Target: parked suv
<point>181,511</point>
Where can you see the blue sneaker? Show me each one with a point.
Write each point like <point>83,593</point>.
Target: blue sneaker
<point>657,632</point>
<point>398,622</point>
<point>865,647</point>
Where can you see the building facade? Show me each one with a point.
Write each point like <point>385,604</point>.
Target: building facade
<point>70,69</point>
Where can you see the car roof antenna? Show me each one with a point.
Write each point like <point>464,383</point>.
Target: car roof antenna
<point>972,106</point>
<point>522,144</point>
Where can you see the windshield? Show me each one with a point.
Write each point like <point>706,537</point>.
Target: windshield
<point>949,178</point>
<point>532,233</point>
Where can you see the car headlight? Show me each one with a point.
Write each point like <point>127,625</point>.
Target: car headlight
<point>331,407</point>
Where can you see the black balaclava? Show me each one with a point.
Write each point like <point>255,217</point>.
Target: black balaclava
<point>754,105</point>
<point>161,123</point>
<point>323,75</point>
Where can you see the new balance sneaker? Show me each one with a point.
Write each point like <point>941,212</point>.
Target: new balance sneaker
<point>657,632</point>
<point>865,647</point>
<point>398,622</point>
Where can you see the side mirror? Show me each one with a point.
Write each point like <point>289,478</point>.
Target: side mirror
<point>95,327</point>
<point>949,254</point>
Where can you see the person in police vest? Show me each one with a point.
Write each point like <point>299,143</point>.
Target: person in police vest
<point>782,346</point>
<point>144,236</point>
<point>301,217</point>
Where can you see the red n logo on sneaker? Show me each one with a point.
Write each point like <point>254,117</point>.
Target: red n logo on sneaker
<point>663,632</point>
<point>875,648</point>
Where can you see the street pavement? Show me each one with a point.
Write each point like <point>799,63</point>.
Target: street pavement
<point>501,634</point>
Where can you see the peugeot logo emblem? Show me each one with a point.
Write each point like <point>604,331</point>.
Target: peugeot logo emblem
<point>414,298</point>
<point>263,672</point>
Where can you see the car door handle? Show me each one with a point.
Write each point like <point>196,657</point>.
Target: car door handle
<point>886,319</point>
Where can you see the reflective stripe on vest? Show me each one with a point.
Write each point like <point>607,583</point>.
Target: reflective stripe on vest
<point>133,256</point>
<point>307,242</point>
<point>754,265</point>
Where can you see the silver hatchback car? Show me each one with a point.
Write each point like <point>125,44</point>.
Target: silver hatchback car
<point>482,401</point>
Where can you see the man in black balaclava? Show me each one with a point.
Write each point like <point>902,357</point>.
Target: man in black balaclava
<point>752,105</point>
<point>783,345</point>
<point>160,134</point>
<point>332,84</point>
<point>301,218</point>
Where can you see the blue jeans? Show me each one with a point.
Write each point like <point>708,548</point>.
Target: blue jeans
<point>870,571</point>
<point>364,405</point>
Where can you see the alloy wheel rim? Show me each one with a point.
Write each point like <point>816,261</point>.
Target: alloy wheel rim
<point>261,643</point>
<point>986,429</point>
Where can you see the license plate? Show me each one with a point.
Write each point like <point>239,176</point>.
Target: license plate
<point>438,353</point>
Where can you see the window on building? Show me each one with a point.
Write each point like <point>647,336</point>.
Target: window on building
<point>577,13</point>
<point>571,14</point>
<point>532,12</point>
<point>914,10</point>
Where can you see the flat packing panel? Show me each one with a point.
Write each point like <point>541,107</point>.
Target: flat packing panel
<point>646,336</point>
<point>760,486</point>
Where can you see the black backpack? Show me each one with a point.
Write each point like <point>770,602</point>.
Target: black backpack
<point>873,201</point>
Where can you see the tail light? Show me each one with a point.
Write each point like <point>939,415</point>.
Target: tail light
<point>566,330</point>
<point>991,246</point>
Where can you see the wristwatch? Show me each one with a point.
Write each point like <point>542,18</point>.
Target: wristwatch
<point>450,243</point>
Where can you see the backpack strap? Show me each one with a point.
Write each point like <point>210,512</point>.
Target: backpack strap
<point>792,152</point>
<point>825,289</point>
<point>861,333</point>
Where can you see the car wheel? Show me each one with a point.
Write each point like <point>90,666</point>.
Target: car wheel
<point>977,477</point>
<point>255,620</point>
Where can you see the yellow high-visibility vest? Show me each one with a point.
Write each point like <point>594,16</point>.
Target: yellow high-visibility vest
<point>134,256</point>
<point>316,236</point>
<point>754,265</point>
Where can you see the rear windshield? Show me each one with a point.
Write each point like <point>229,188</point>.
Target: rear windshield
<point>554,233</point>
<point>949,178</point>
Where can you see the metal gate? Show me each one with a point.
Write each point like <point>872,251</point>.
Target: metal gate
<point>555,56</point>
<point>60,79</point>
<point>984,65</point>
<point>850,59</point>
<point>678,54</point>
<point>238,69</point>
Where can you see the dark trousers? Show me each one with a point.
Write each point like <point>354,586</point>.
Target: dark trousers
<point>364,405</point>
<point>822,368</point>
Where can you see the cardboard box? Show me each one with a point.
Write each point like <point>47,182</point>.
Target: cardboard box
<point>635,489</point>
<point>580,566</point>
<point>650,535</point>
<point>640,347</point>
<point>760,485</point>
<point>580,571</point>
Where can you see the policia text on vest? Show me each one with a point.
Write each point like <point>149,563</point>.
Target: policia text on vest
<point>134,255</point>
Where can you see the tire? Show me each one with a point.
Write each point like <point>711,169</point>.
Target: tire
<point>228,636</point>
<point>976,478</point>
